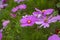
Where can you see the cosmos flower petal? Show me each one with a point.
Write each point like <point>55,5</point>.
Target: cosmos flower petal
<point>23,20</point>
<point>58,17</point>
<point>45,25</point>
<point>1,6</point>
<point>53,19</point>
<point>15,9</point>
<point>22,6</point>
<point>38,22</point>
<point>5,23</point>
<point>48,11</point>
<point>54,37</point>
<point>38,10</point>
<point>37,14</point>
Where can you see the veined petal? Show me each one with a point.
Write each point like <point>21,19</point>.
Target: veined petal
<point>53,19</point>
<point>48,11</point>
<point>45,25</point>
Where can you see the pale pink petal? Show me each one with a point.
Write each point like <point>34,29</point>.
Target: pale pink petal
<point>15,9</point>
<point>5,23</point>
<point>54,37</point>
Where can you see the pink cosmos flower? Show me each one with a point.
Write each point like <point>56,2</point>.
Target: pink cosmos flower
<point>18,1</point>
<point>28,20</point>
<point>5,23</point>
<point>22,6</point>
<point>45,12</point>
<point>13,15</point>
<point>45,21</point>
<point>54,37</point>
<point>58,17</point>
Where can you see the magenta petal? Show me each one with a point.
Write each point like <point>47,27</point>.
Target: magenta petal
<point>38,22</point>
<point>23,20</point>
<point>1,6</point>
<point>48,11</point>
<point>53,19</point>
<point>58,17</point>
<point>36,13</point>
<point>45,25</point>
<point>54,37</point>
<point>5,23</point>
<point>22,6</point>
<point>15,9</point>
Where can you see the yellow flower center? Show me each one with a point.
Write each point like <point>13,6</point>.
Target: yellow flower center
<point>43,11</point>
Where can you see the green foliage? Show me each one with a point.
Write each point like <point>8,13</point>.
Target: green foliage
<point>58,5</point>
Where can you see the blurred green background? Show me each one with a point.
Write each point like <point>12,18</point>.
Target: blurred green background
<point>15,32</point>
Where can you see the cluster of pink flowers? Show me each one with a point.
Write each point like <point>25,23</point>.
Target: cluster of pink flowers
<point>43,18</point>
<point>2,4</point>
<point>19,7</point>
<point>15,9</point>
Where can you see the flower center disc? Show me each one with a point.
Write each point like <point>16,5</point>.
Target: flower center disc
<point>46,20</point>
<point>29,21</point>
<point>43,11</point>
